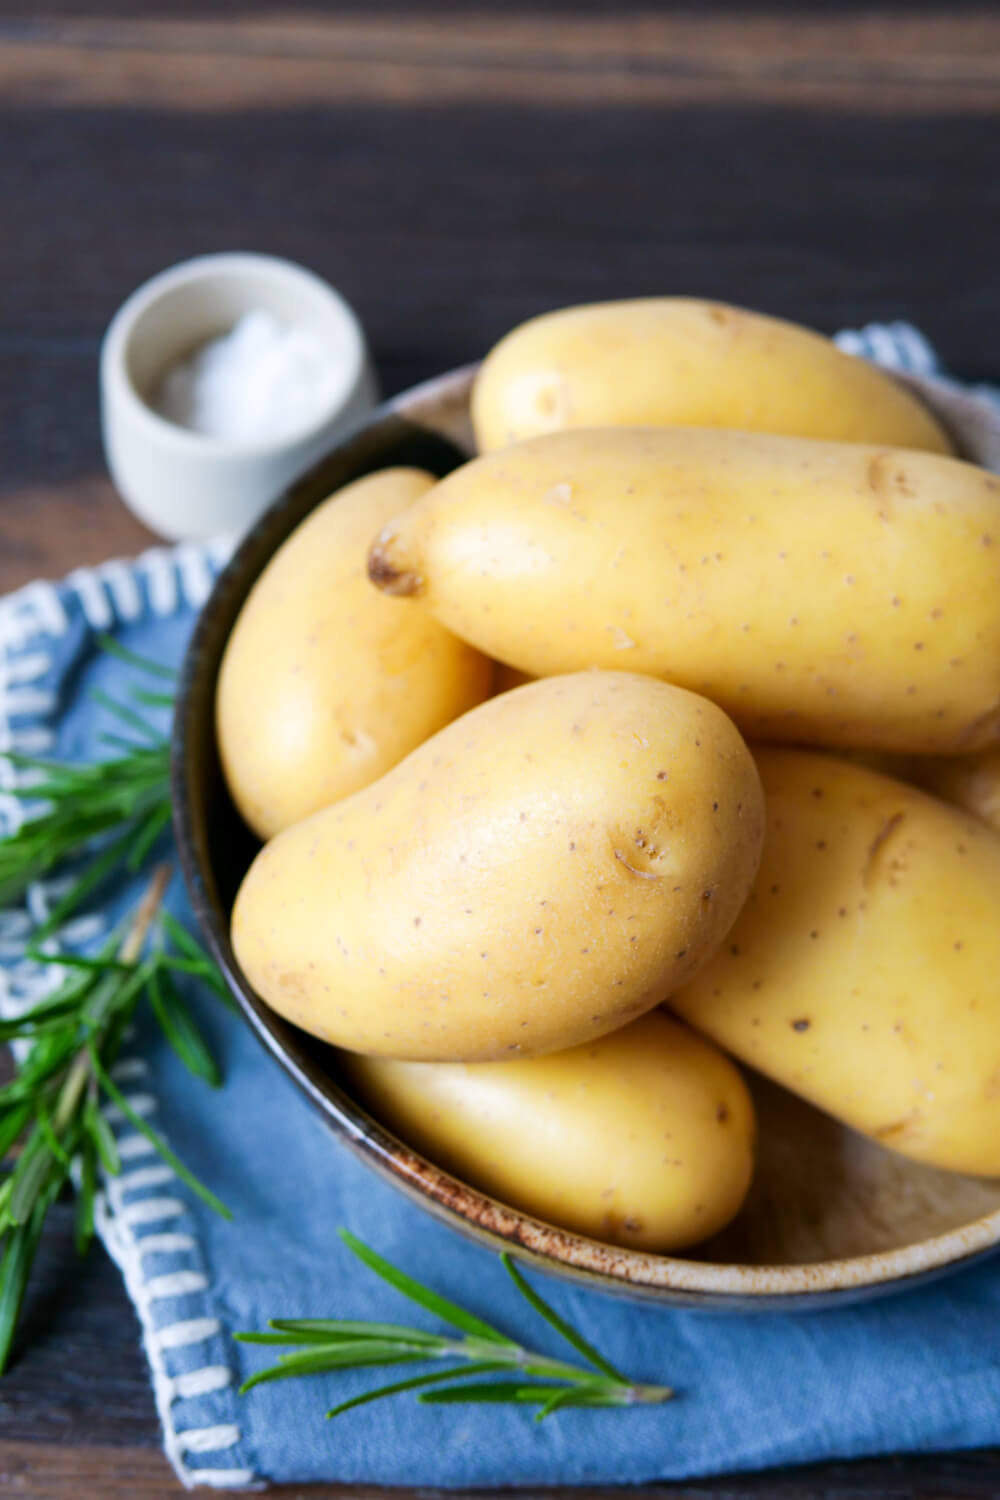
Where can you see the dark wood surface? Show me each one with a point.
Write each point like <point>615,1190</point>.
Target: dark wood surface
<point>454,169</point>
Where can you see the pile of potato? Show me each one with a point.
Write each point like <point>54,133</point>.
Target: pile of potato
<point>689,523</point>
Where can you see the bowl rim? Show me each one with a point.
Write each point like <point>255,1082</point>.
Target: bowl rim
<point>671,1279</point>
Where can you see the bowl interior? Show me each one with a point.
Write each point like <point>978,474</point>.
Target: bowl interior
<point>831,1216</point>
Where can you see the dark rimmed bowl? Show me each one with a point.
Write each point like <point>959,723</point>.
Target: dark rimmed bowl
<point>831,1217</point>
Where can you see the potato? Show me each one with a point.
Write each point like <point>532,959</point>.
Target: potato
<point>969,781</point>
<point>505,678</point>
<point>674,361</point>
<point>819,592</point>
<point>863,971</point>
<point>324,684</point>
<point>644,1138</point>
<point>545,869</point>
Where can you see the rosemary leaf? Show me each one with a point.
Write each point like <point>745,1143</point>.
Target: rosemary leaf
<point>48,1055</point>
<point>350,1353</point>
<point>128,716</point>
<point>195,966</point>
<point>53,1142</point>
<point>382,1391</point>
<point>97,871</point>
<point>200,963</point>
<point>449,1312</point>
<point>327,1330</point>
<point>11,1126</point>
<point>86,1193</point>
<point>564,1329</point>
<point>34,1171</point>
<point>320,1363</point>
<point>525,1393</point>
<point>141,767</point>
<point>74,809</point>
<point>153,700</point>
<point>30,1026</point>
<point>179,1028</point>
<point>496,1392</point>
<point>117,741</point>
<point>559,1398</point>
<point>108,999</point>
<point>146,835</point>
<point>111,647</point>
<point>182,939</point>
<point>157,1142</point>
<point>102,1138</point>
<point>97,965</point>
<point>66,993</point>
<point>15,1267</point>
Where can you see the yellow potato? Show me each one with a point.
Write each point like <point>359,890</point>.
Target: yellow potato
<point>548,867</point>
<point>969,781</point>
<point>864,971</point>
<point>505,678</point>
<point>674,361</point>
<point>324,684</point>
<point>644,1138</point>
<point>821,592</point>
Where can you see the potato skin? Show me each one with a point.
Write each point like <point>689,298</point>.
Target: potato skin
<point>822,593</point>
<point>644,1138</point>
<point>864,971</point>
<point>676,361</point>
<point>325,684</point>
<point>971,782</point>
<point>505,678</point>
<point>543,870</point>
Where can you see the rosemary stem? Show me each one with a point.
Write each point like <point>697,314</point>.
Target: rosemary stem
<point>71,1092</point>
<point>650,1395</point>
<point>321,1346</point>
<point>144,913</point>
<point>541,1366</point>
<point>80,1072</point>
<point>104,817</point>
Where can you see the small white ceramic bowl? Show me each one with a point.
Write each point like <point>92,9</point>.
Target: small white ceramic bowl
<point>183,484</point>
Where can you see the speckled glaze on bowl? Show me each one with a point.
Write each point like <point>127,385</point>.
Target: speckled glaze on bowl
<point>831,1217</point>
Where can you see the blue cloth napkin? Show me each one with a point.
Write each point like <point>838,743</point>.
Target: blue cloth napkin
<point>914,1372</point>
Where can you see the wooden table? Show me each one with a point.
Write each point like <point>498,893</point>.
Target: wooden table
<point>831,163</point>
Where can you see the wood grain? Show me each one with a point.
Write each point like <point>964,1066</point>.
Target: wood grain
<point>93,1472</point>
<point>443,249</point>
<point>665,59</point>
<point>93,525</point>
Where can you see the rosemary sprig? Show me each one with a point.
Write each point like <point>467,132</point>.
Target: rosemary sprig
<point>126,796</point>
<point>108,812</point>
<point>105,817</point>
<point>327,1344</point>
<point>52,1128</point>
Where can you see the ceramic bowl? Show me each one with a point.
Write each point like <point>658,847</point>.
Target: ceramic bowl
<point>831,1217</point>
<point>183,484</point>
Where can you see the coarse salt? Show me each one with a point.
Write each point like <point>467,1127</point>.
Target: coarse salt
<point>263,380</point>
